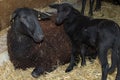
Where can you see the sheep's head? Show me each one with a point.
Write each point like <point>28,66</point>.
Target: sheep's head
<point>26,22</point>
<point>63,10</point>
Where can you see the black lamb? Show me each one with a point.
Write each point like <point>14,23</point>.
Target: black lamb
<point>101,34</point>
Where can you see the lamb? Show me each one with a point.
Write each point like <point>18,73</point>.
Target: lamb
<point>102,34</point>
<point>40,45</point>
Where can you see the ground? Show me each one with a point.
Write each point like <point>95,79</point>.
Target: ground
<point>92,71</point>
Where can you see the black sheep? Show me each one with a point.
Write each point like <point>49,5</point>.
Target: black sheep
<point>29,47</point>
<point>101,34</point>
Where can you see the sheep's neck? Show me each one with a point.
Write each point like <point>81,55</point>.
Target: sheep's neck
<point>75,20</point>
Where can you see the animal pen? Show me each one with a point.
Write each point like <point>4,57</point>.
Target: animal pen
<point>92,71</point>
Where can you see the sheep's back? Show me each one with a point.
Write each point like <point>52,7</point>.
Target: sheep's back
<point>56,44</point>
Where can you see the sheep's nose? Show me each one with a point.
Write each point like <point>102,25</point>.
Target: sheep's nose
<point>58,21</point>
<point>38,38</point>
<point>41,37</point>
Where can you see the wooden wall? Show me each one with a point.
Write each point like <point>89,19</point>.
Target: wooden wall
<point>8,6</point>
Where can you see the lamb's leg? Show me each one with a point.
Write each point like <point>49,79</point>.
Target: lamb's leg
<point>82,54</point>
<point>91,7</point>
<point>98,5</point>
<point>118,68</point>
<point>93,54</point>
<point>83,6</point>
<point>118,62</point>
<point>113,61</point>
<point>102,55</point>
<point>72,60</point>
<point>37,72</point>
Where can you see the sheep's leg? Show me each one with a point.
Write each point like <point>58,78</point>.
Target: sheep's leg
<point>37,72</point>
<point>90,59</point>
<point>114,57</point>
<point>117,58</point>
<point>82,54</point>
<point>103,48</point>
<point>98,5</point>
<point>71,65</point>
<point>91,7</point>
<point>83,6</point>
<point>113,61</point>
<point>118,68</point>
<point>72,60</point>
<point>93,54</point>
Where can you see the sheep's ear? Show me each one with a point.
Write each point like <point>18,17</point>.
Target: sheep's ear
<point>13,16</point>
<point>43,16</point>
<point>54,6</point>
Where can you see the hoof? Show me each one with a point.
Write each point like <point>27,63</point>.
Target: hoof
<point>68,69</point>
<point>110,71</point>
<point>83,64</point>
<point>37,72</point>
<point>35,75</point>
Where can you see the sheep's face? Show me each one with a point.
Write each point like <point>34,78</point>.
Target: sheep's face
<point>26,23</point>
<point>63,10</point>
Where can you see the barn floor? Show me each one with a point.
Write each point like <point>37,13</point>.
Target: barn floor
<point>92,71</point>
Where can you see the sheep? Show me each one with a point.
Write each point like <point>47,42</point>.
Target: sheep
<point>98,6</point>
<point>40,45</point>
<point>102,34</point>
